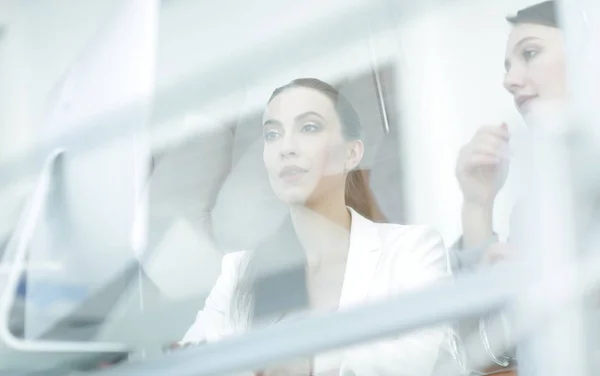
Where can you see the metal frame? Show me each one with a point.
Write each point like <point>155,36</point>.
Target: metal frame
<point>288,340</point>
<point>378,85</point>
<point>468,295</point>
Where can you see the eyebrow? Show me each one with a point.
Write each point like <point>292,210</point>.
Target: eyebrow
<point>308,113</point>
<point>271,122</point>
<point>298,117</point>
<point>519,43</point>
<point>526,39</point>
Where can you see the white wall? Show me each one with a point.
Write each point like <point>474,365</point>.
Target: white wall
<point>14,94</point>
<point>41,39</point>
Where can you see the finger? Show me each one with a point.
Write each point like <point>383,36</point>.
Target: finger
<point>482,160</point>
<point>493,257</point>
<point>490,138</point>
<point>491,150</point>
<point>176,346</point>
<point>491,144</point>
<point>488,147</point>
<point>498,131</point>
<point>482,154</point>
<point>497,256</point>
<point>498,252</point>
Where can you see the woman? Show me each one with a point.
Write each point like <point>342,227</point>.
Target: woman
<point>535,76</point>
<point>326,256</point>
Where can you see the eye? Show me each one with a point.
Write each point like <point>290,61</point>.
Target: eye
<point>530,53</point>
<point>310,128</point>
<point>270,134</point>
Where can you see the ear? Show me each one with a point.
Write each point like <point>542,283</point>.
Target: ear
<point>356,149</point>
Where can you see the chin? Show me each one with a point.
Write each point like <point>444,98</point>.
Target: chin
<point>547,113</point>
<point>292,198</point>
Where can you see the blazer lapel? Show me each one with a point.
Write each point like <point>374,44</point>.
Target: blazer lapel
<point>363,257</point>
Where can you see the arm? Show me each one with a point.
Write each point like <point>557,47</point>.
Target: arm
<point>486,341</point>
<point>478,233</point>
<point>481,171</point>
<point>213,321</point>
<point>416,353</point>
<point>477,225</point>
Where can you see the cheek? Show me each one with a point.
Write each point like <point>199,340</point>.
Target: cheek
<point>325,156</point>
<point>549,77</point>
<point>334,160</point>
<point>560,80</point>
<point>269,157</point>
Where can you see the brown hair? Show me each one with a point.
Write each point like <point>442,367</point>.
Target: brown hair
<point>360,197</point>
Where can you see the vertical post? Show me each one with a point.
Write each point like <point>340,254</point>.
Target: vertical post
<point>548,244</point>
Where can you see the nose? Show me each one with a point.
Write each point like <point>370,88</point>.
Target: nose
<point>514,79</point>
<point>289,145</point>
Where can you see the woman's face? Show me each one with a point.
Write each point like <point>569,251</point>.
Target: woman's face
<point>305,153</point>
<point>535,65</point>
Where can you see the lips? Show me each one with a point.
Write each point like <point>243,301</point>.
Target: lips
<point>292,173</point>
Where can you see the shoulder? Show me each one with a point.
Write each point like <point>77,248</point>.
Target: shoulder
<point>415,245</point>
<point>417,251</point>
<point>409,236</point>
<point>233,259</point>
<point>233,263</point>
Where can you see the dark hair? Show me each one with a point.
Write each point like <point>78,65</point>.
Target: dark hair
<point>542,14</point>
<point>273,275</point>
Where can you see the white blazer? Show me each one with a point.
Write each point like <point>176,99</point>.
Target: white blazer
<point>384,260</point>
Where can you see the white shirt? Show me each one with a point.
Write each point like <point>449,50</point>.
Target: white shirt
<point>384,260</point>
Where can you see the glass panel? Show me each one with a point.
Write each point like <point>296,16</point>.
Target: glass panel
<point>304,162</point>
